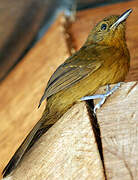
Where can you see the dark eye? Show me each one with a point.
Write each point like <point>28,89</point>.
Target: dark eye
<point>103,26</point>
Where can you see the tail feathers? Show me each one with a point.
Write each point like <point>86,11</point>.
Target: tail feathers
<point>39,133</point>
<point>33,136</point>
<point>10,166</point>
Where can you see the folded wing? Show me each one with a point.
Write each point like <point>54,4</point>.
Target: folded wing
<point>69,73</point>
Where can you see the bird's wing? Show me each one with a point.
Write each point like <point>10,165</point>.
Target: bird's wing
<point>70,72</point>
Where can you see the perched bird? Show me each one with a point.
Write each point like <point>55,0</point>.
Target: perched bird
<point>103,60</point>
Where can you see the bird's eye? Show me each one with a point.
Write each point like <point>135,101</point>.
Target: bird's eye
<point>103,26</point>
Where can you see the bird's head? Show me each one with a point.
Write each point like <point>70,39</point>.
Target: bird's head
<point>109,31</point>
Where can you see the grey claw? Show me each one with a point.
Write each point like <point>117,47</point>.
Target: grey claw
<point>102,96</point>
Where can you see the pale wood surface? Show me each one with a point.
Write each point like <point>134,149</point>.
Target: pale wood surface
<point>22,89</point>
<point>67,151</point>
<point>118,120</point>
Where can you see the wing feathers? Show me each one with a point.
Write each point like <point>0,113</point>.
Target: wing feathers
<point>71,71</point>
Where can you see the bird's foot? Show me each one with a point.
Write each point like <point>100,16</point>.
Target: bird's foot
<point>103,97</point>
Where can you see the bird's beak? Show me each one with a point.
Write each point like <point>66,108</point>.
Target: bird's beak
<point>122,18</point>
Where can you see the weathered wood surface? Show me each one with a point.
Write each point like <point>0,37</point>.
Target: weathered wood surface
<point>22,89</point>
<point>69,149</point>
<point>118,120</point>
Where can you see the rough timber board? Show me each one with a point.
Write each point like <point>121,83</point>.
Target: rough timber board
<point>22,89</point>
<point>67,151</point>
<point>118,120</point>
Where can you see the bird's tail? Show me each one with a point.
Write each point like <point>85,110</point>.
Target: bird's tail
<point>34,135</point>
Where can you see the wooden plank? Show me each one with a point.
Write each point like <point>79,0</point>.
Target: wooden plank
<point>119,132</point>
<point>85,20</point>
<point>23,88</point>
<point>67,151</point>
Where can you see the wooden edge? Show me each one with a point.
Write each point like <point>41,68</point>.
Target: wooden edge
<point>119,132</point>
<point>67,150</point>
<point>18,107</point>
<point>22,89</point>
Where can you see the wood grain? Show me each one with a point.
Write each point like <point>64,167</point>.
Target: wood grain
<point>119,132</point>
<point>22,89</point>
<point>67,151</point>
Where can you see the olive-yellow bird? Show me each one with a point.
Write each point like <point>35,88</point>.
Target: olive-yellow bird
<point>103,59</point>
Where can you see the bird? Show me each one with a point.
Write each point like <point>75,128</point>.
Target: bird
<point>103,59</point>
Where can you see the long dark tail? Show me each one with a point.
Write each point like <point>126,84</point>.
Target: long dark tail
<point>32,137</point>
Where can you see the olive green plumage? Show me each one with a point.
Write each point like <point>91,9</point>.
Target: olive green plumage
<point>103,59</point>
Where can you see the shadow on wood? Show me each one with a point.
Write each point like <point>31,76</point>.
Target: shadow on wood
<point>22,89</point>
<point>69,149</point>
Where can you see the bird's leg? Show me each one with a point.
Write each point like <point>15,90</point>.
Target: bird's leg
<point>102,96</point>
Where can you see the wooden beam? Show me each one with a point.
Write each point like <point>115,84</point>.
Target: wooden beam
<point>119,132</point>
<point>22,89</point>
<point>69,149</point>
